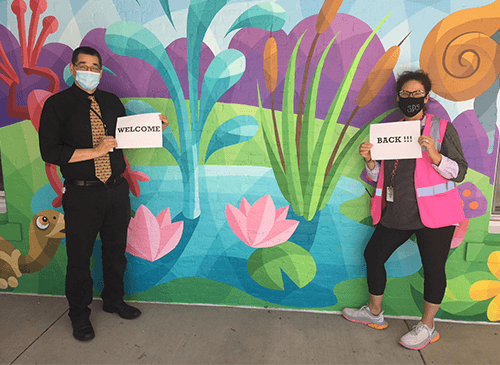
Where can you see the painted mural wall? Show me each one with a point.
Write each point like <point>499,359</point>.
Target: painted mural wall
<point>258,196</point>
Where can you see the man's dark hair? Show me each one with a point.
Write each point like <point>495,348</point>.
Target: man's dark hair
<point>85,50</point>
<point>419,75</point>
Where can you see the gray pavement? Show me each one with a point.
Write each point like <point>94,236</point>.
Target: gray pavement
<point>37,330</point>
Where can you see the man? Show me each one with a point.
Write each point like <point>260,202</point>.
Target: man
<point>77,128</point>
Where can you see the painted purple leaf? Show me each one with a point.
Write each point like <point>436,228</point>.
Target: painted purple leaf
<point>475,144</point>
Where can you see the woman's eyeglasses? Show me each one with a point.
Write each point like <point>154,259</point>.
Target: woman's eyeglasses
<point>83,67</point>
<point>413,94</point>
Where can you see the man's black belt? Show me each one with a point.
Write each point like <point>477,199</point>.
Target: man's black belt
<point>112,181</point>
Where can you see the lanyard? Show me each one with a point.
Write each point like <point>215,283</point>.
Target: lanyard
<point>103,123</point>
<point>96,113</point>
<point>393,173</point>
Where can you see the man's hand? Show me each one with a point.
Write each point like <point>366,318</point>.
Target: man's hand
<point>164,122</point>
<point>106,145</point>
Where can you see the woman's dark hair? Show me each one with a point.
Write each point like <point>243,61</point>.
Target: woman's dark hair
<point>85,50</point>
<point>419,75</point>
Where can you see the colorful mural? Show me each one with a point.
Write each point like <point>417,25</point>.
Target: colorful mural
<point>258,196</point>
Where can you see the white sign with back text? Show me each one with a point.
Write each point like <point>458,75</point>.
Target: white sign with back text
<point>139,131</point>
<point>397,140</point>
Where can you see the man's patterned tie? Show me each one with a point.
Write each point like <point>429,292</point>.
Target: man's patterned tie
<point>102,164</point>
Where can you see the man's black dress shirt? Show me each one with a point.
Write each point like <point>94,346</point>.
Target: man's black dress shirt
<point>65,126</point>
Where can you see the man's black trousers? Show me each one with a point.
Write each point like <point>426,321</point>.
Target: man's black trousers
<point>87,212</point>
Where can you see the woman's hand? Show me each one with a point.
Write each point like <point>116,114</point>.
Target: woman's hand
<point>164,122</point>
<point>364,151</point>
<point>428,143</point>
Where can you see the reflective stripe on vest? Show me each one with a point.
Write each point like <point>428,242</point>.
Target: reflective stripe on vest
<point>435,129</point>
<point>435,124</point>
<point>436,189</point>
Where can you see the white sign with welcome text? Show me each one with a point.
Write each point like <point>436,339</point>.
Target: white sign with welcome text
<point>397,140</point>
<point>139,131</point>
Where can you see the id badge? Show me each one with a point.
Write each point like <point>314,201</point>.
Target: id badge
<point>390,194</point>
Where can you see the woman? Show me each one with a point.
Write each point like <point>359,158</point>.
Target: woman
<point>414,196</point>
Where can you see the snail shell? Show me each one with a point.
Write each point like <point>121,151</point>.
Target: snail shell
<point>459,54</point>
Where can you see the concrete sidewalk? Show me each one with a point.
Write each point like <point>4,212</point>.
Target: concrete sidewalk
<point>37,330</point>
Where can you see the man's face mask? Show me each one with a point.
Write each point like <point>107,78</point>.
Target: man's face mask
<point>88,79</point>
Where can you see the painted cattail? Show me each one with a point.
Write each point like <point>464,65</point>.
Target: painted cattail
<point>271,64</point>
<point>271,77</point>
<point>327,14</point>
<point>379,75</point>
<point>323,22</point>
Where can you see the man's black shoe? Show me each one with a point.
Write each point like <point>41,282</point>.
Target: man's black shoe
<point>82,329</point>
<point>123,309</point>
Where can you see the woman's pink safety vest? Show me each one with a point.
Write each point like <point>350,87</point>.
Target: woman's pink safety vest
<point>438,200</point>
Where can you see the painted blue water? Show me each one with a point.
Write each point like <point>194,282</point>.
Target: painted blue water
<point>209,248</point>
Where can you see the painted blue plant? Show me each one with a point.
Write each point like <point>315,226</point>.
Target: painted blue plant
<point>225,70</point>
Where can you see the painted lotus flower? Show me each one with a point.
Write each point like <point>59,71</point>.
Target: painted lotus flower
<point>151,237</point>
<point>486,289</point>
<point>260,225</point>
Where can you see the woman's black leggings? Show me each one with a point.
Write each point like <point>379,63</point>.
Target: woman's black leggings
<point>433,244</point>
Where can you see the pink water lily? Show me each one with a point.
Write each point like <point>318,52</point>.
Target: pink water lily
<point>151,237</point>
<point>260,225</point>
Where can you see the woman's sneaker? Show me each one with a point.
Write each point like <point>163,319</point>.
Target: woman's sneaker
<point>419,337</point>
<point>364,316</point>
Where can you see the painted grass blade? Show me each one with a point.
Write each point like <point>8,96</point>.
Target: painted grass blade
<point>340,163</point>
<point>166,8</point>
<point>272,150</point>
<point>309,123</point>
<point>265,16</point>
<point>289,135</point>
<point>321,154</point>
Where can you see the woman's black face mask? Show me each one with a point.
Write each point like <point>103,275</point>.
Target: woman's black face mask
<point>411,106</point>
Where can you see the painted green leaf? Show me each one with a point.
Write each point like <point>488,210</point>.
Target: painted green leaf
<point>166,7</point>
<point>224,71</point>
<point>267,265</point>
<point>457,299</point>
<point>357,209</point>
<point>134,107</point>
<point>201,13</point>
<point>262,16</point>
<point>236,130</point>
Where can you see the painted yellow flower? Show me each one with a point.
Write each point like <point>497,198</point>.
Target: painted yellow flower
<point>486,289</point>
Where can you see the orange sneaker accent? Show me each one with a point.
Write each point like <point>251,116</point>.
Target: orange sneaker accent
<point>378,327</point>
